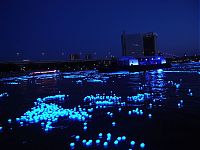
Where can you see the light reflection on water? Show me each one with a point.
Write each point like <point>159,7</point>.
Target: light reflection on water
<point>168,89</point>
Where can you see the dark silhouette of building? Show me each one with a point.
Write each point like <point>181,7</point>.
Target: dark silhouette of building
<point>132,44</point>
<point>139,45</point>
<point>149,43</point>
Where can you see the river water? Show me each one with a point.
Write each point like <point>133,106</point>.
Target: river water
<point>153,110</point>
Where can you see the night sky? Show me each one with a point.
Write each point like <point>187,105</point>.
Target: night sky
<point>61,27</point>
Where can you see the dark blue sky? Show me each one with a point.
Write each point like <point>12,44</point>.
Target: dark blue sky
<point>72,26</point>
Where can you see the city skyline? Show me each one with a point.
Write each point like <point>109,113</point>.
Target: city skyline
<point>51,30</point>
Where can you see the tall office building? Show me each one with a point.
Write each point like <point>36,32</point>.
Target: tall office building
<point>132,44</point>
<point>139,45</point>
<point>150,44</point>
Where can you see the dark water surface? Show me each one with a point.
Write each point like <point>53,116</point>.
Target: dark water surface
<point>173,102</point>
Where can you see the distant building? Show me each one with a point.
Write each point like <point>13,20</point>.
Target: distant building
<point>88,56</point>
<point>139,45</point>
<point>149,43</point>
<point>74,57</point>
<point>132,44</point>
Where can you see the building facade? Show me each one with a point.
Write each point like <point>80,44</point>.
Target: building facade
<point>150,44</point>
<point>139,45</point>
<point>132,44</point>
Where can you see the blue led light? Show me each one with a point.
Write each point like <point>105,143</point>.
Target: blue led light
<point>119,138</point>
<point>113,123</point>
<point>97,141</point>
<point>132,143</point>
<point>123,138</point>
<point>150,116</point>
<point>100,134</point>
<point>4,95</point>
<point>88,143</point>
<point>116,142</point>
<point>129,112</point>
<point>105,144</point>
<point>77,137</point>
<point>103,100</point>
<point>138,97</point>
<point>12,83</point>
<point>49,113</point>
<point>9,120</point>
<point>84,141</point>
<point>72,144</point>
<point>142,145</point>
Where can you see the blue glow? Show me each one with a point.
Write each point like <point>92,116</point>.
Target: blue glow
<point>84,141</point>
<point>73,76</point>
<point>142,145</point>
<point>133,62</point>
<point>95,80</point>
<point>119,138</point>
<point>4,94</point>
<point>136,111</point>
<point>150,115</point>
<point>77,137</point>
<point>97,141</point>
<point>72,144</point>
<point>49,113</point>
<point>138,97</point>
<point>9,120</point>
<point>113,124</point>
<point>160,70</point>
<point>103,100</point>
<point>51,98</point>
<point>79,82</point>
<point>123,138</point>
<point>116,142</point>
<point>12,83</point>
<point>132,143</point>
<point>105,144</point>
<point>100,134</point>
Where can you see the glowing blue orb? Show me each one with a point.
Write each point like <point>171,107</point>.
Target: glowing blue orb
<point>77,137</point>
<point>119,138</point>
<point>150,115</point>
<point>105,144</point>
<point>132,143</point>
<point>72,144</point>
<point>100,134</point>
<point>84,141</point>
<point>9,120</point>
<point>142,145</point>
<point>113,123</point>
<point>97,141</point>
<point>123,138</point>
<point>116,142</point>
